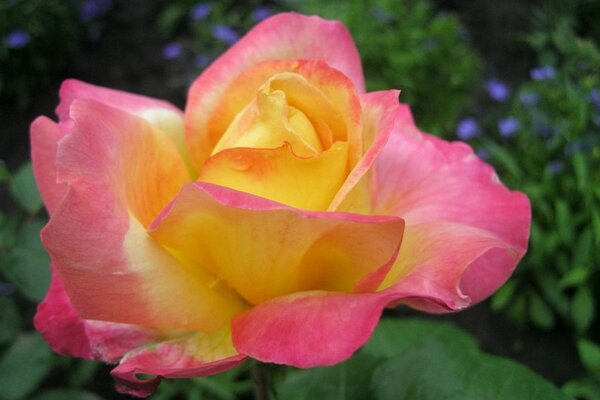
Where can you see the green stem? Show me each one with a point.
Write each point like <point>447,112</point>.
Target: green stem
<point>260,379</point>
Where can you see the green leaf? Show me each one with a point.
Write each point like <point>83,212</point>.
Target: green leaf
<point>346,381</point>
<point>503,296</point>
<point>4,172</point>
<point>581,170</point>
<point>503,379</point>
<point>564,222</point>
<point>24,189</point>
<point>539,312</point>
<point>582,309</point>
<point>575,277</point>
<point>29,270</point>
<point>10,320</point>
<point>66,394</point>
<point>428,370</point>
<point>24,366</point>
<point>585,388</point>
<point>589,353</point>
<point>504,159</point>
<point>394,336</point>
<point>448,367</point>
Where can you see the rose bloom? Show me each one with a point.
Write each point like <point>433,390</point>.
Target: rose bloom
<point>274,219</point>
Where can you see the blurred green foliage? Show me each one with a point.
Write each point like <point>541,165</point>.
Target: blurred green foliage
<point>51,34</point>
<point>38,40</point>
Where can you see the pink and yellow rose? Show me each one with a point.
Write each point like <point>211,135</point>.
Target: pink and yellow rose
<point>274,219</point>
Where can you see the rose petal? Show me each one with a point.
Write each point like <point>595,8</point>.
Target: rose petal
<point>60,325</point>
<point>45,135</point>
<point>324,94</point>
<point>308,329</point>
<point>380,113</point>
<point>190,356</point>
<point>121,172</point>
<point>462,223</point>
<point>265,249</point>
<point>282,37</point>
<point>279,175</point>
<point>67,333</point>
<point>161,114</point>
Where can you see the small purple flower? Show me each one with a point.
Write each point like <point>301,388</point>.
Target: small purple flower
<point>172,51</point>
<point>543,128</point>
<point>201,60</point>
<point>382,15</point>
<point>200,11</point>
<point>543,73</point>
<point>17,39</point>
<point>261,13</point>
<point>484,154</point>
<point>92,9</point>
<point>529,99</point>
<point>225,34</point>
<point>467,128</point>
<point>555,166</point>
<point>595,97</point>
<point>497,89</point>
<point>6,289</point>
<point>508,126</point>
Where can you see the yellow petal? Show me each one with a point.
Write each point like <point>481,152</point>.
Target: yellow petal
<point>280,175</point>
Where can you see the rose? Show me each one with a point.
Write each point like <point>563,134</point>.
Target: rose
<point>275,219</point>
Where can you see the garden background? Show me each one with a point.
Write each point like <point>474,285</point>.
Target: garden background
<point>518,80</point>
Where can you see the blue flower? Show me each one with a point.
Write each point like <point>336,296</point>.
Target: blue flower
<point>6,289</point>
<point>201,60</point>
<point>382,15</point>
<point>529,99</point>
<point>17,39</point>
<point>200,11</point>
<point>467,128</point>
<point>484,154</point>
<point>595,97</point>
<point>92,9</point>
<point>261,13</point>
<point>225,34</point>
<point>172,51</point>
<point>508,126</point>
<point>497,89</point>
<point>555,166</point>
<point>543,73</point>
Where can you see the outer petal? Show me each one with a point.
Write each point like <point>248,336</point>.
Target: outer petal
<point>265,249</point>
<point>161,114</point>
<point>465,230</point>
<point>282,37</point>
<point>308,329</point>
<point>67,333</point>
<point>45,135</point>
<point>121,173</point>
<point>186,357</point>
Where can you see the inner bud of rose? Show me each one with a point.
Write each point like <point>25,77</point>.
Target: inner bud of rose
<point>286,109</point>
<point>289,133</point>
